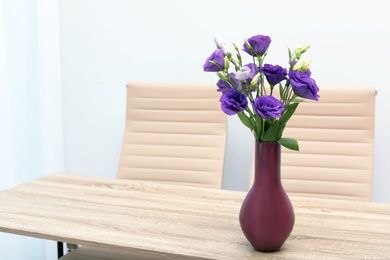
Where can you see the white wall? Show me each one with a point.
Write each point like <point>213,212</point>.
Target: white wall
<point>105,43</point>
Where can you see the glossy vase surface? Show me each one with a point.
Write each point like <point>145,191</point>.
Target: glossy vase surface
<point>267,216</point>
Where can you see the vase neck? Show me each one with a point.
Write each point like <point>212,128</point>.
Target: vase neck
<point>267,162</point>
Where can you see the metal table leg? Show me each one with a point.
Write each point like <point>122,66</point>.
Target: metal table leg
<point>60,249</point>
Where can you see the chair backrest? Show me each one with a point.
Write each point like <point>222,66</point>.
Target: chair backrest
<point>174,133</point>
<point>336,139</point>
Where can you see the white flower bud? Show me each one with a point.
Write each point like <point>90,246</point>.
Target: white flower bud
<point>244,73</point>
<point>222,46</point>
<point>219,42</point>
<point>226,50</point>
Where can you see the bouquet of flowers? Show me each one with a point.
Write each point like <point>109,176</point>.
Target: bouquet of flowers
<point>262,108</point>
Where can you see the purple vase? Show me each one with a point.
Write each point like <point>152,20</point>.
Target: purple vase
<point>267,216</point>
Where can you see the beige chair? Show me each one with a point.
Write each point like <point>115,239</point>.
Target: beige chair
<point>174,133</point>
<point>336,138</point>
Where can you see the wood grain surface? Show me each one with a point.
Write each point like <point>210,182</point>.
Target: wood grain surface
<point>176,222</point>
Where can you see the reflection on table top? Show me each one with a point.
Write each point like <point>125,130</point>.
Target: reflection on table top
<point>173,221</point>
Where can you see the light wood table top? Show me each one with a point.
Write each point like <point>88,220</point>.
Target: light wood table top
<point>177,222</point>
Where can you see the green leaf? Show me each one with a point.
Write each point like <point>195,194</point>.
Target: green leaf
<point>290,109</point>
<point>289,143</point>
<point>245,120</point>
<point>281,92</point>
<point>297,100</point>
<point>268,123</point>
<point>272,133</point>
<point>259,123</point>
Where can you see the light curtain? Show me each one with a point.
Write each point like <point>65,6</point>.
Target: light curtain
<point>31,138</point>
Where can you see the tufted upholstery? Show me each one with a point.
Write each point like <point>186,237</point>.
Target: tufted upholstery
<point>336,138</point>
<point>174,133</point>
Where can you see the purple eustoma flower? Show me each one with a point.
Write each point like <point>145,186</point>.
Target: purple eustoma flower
<point>223,86</point>
<point>268,107</point>
<point>231,82</point>
<point>259,44</point>
<point>233,102</point>
<point>303,85</point>
<point>218,59</point>
<point>274,73</point>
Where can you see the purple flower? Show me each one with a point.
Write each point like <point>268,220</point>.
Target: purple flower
<point>259,44</point>
<point>274,73</point>
<point>223,86</point>
<point>268,107</point>
<point>303,85</point>
<point>233,102</point>
<point>230,83</point>
<point>218,59</point>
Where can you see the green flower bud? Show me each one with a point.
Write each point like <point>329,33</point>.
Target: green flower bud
<point>249,46</point>
<point>306,65</point>
<point>226,63</point>
<point>305,48</point>
<point>298,65</point>
<point>255,81</point>
<point>298,53</point>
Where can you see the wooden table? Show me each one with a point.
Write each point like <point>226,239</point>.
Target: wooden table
<point>177,222</point>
